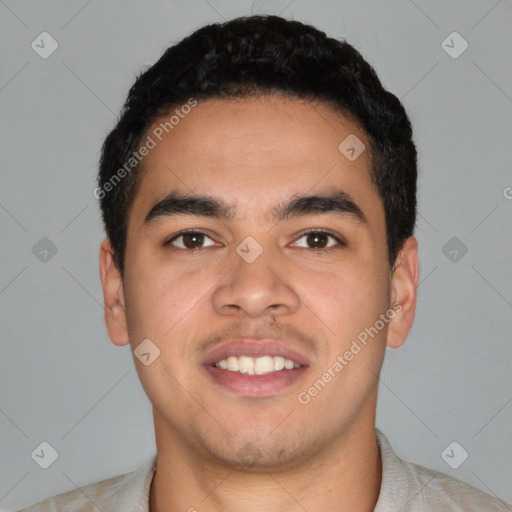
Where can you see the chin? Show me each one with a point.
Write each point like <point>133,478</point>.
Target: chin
<point>258,453</point>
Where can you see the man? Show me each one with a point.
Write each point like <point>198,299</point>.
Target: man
<point>259,198</point>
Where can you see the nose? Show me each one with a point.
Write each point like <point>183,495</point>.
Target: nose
<point>255,289</point>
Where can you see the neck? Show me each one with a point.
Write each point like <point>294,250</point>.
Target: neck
<point>346,477</point>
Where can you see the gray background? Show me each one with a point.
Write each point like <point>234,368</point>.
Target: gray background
<point>62,380</point>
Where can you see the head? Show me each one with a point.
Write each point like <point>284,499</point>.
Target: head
<point>264,137</point>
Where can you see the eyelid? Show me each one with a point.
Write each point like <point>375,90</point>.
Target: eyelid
<point>171,239</point>
<point>339,239</point>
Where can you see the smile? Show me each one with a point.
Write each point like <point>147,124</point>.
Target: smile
<point>256,365</point>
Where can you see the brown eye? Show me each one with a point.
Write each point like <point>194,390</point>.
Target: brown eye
<point>190,240</point>
<point>319,240</point>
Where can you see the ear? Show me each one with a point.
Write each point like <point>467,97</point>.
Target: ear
<point>404,285</point>
<point>113,296</point>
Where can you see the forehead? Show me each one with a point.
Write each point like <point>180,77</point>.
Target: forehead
<point>257,151</point>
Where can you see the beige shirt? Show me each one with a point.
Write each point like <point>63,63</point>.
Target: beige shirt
<point>405,487</point>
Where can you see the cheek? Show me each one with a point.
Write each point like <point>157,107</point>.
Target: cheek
<point>348,299</point>
<point>161,305</point>
<point>159,298</point>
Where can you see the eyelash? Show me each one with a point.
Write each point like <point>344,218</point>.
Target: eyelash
<point>341,243</point>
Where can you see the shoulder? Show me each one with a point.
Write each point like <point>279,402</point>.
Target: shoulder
<point>127,492</point>
<point>81,500</point>
<point>415,488</point>
<point>440,491</point>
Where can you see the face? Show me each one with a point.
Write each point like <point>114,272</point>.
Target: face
<point>254,241</point>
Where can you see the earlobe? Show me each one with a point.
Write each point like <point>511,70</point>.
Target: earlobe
<point>404,285</point>
<point>113,296</point>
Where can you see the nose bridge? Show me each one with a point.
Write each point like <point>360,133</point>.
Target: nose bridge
<point>255,283</point>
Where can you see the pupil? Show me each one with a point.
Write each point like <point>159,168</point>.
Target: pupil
<point>317,239</point>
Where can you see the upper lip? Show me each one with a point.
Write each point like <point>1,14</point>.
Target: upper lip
<point>254,348</point>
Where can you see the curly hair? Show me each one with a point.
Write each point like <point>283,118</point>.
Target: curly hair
<point>259,55</point>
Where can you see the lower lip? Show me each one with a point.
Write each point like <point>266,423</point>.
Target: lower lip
<point>256,385</point>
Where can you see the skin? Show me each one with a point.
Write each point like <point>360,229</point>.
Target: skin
<point>255,153</point>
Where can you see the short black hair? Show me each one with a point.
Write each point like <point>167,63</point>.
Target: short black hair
<point>258,55</point>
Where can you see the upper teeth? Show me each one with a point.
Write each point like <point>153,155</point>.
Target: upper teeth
<point>256,365</point>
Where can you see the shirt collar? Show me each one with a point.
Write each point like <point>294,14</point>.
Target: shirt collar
<point>133,493</point>
<point>395,488</point>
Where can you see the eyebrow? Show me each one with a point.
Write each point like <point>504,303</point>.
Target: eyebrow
<point>178,203</point>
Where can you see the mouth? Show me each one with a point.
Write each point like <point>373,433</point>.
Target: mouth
<point>255,368</point>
